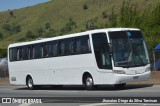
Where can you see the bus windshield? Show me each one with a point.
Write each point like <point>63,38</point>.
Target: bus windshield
<point>129,49</point>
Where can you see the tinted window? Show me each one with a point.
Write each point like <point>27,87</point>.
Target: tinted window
<point>101,50</point>
<point>17,54</point>
<point>69,46</point>
<point>10,54</point>
<point>14,54</point>
<point>20,53</point>
<point>55,48</point>
<point>50,49</point>
<point>30,52</point>
<point>118,35</point>
<point>129,49</point>
<point>82,44</point>
<point>24,53</point>
<point>45,50</point>
<point>37,51</point>
<point>62,47</point>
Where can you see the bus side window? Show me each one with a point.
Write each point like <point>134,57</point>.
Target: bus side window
<point>10,54</point>
<point>89,45</point>
<point>24,53</point>
<point>45,50</point>
<point>20,53</point>
<point>28,52</point>
<point>62,47</point>
<point>55,48</point>
<point>82,44</point>
<point>85,44</point>
<point>14,54</point>
<point>31,52</point>
<point>50,49</point>
<point>78,45</point>
<point>17,54</point>
<point>37,51</point>
<point>69,46</point>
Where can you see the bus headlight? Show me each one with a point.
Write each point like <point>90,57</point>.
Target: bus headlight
<point>147,69</point>
<point>119,71</point>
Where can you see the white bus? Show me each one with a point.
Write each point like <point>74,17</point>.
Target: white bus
<point>113,56</point>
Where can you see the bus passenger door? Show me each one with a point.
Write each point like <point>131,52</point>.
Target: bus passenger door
<point>101,51</point>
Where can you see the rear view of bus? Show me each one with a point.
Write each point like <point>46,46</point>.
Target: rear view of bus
<point>130,56</point>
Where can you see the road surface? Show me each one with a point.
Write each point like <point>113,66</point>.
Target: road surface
<point>74,92</point>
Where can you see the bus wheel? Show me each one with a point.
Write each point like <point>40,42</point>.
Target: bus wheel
<point>89,83</point>
<point>30,83</point>
<point>120,86</point>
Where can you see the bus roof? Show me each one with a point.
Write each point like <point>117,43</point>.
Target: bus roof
<point>69,35</point>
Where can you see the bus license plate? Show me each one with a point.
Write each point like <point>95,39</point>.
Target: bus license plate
<point>136,77</point>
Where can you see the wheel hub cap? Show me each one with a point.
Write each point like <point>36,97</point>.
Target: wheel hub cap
<point>89,82</point>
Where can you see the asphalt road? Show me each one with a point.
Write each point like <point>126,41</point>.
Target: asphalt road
<point>74,92</point>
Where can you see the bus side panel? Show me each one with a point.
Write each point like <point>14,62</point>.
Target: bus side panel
<point>103,77</point>
<point>66,70</point>
<point>69,69</point>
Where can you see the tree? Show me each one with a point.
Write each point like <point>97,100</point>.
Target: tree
<point>16,28</point>
<point>40,31</point>
<point>85,7</point>
<point>47,25</point>
<point>90,25</point>
<point>155,16</point>
<point>70,25</point>
<point>29,34</point>
<point>51,33</point>
<point>129,15</point>
<point>112,19</point>
<point>7,27</point>
<point>3,53</point>
<point>104,15</point>
<point>12,13</point>
<point>1,36</point>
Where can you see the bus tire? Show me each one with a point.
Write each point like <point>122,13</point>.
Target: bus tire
<point>120,86</point>
<point>30,83</point>
<point>89,84</point>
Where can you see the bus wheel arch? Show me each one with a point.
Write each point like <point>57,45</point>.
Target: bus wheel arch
<point>88,81</point>
<point>29,82</point>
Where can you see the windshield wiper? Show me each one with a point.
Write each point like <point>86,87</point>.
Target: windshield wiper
<point>139,57</point>
<point>129,59</point>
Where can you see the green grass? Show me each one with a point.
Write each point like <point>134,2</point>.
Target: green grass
<point>58,13</point>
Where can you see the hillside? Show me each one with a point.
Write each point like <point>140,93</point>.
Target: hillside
<point>59,17</point>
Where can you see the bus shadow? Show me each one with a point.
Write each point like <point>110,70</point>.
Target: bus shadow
<point>99,88</point>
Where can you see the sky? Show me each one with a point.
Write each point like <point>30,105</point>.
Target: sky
<point>16,4</point>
